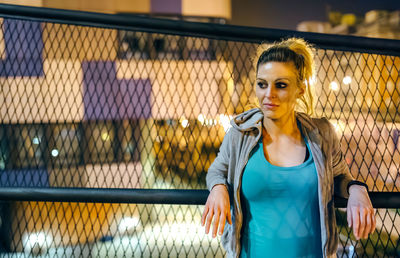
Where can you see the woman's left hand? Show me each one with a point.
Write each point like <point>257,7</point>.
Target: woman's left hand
<point>360,213</point>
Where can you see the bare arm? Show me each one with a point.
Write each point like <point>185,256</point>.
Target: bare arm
<point>360,213</point>
<point>217,207</point>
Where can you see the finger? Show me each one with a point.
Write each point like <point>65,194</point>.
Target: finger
<point>368,226</point>
<point>209,219</point>
<point>373,220</point>
<point>222,220</point>
<point>216,221</point>
<point>355,221</point>
<point>203,218</point>
<point>229,217</point>
<point>362,226</point>
<point>349,216</point>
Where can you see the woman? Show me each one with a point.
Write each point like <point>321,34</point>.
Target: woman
<point>277,170</point>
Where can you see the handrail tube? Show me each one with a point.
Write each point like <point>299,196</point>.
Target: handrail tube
<point>104,195</point>
<point>149,196</point>
<point>197,29</point>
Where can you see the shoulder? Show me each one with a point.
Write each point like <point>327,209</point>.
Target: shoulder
<point>321,124</point>
<point>327,131</point>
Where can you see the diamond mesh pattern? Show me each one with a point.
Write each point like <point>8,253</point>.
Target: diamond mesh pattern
<point>101,108</point>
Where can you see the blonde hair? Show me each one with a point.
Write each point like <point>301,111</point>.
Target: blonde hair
<point>299,52</point>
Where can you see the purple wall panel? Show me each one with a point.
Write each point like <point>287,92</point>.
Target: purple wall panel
<point>107,98</point>
<point>134,96</point>
<point>24,47</point>
<point>166,6</point>
<point>24,178</point>
<point>99,93</point>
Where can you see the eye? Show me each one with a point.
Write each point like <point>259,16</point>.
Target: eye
<point>262,85</point>
<point>281,85</point>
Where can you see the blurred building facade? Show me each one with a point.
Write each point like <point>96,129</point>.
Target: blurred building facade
<point>93,107</point>
<point>375,23</point>
<point>215,10</point>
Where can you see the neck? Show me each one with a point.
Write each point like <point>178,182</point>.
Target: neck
<point>286,125</point>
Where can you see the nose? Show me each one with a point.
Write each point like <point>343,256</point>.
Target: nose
<point>270,92</point>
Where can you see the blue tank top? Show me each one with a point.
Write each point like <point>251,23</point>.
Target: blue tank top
<point>280,209</point>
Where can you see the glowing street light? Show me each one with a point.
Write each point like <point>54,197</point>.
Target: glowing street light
<point>347,80</point>
<point>184,123</point>
<point>105,136</point>
<point>54,153</point>
<point>334,86</point>
<point>36,140</point>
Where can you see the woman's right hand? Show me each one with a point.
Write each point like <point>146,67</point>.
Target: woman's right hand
<point>217,206</point>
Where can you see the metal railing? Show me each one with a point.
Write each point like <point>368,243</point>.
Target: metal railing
<point>385,200</point>
<point>108,124</point>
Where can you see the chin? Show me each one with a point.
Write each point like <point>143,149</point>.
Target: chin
<point>271,114</point>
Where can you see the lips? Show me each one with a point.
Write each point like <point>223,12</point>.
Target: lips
<point>270,105</point>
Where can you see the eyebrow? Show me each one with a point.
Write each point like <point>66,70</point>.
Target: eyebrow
<point>277,79</point>
<point>283,78</point>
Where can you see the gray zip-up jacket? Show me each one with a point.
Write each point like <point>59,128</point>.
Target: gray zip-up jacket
<point>333,173</point>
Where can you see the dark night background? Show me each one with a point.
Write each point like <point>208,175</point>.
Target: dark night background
<point>286,14</point>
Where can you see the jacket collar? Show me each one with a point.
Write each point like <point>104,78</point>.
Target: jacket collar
<point>309,127</point>
<point>307,122</point>
<point>248,120</point>
<point>252,119</point>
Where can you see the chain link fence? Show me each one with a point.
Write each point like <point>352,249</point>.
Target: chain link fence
<point>94,107</point>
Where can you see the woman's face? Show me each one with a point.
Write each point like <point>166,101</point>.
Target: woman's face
<point>277,89</point>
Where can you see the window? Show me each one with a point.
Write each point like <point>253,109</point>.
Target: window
<point>128,140</point>
<point>4,148</point>
<point>141,45</point>
<point>132,45</point>
<point>29,145</point>
<point>64,145</point>
<point>100,142</point>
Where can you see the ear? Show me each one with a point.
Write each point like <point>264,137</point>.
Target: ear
<point>301,91</point>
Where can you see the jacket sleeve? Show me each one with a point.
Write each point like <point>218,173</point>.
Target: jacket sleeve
<point>218,170</point>
<point>341,171</point>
